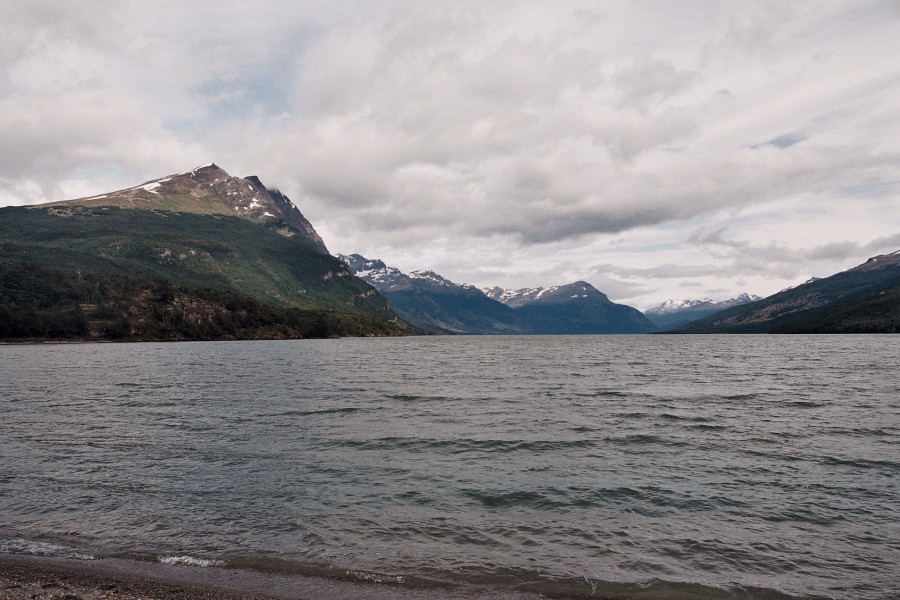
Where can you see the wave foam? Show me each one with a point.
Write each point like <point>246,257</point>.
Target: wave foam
<point>36,548</point>
<point>191,561</point>
<point>374,577</point>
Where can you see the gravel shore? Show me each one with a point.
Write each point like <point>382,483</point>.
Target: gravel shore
<point>29,578</point>
<point>25,577</point>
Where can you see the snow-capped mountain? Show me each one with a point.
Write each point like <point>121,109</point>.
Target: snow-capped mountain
<point>373,272</point>
<point>515,298</point>
<point>525,296</point>
<point>576,307</point>
<point>674,313</point>
<point>672,306</point>
<point>435,279</point>
<point>434,302</point>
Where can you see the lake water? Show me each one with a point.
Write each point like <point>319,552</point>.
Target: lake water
<point>651,466</point>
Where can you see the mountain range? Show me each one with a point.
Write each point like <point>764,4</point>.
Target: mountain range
<point>204,255</point>
<point>864,299</point>
<point>672,314</point>
<point>434,303</point>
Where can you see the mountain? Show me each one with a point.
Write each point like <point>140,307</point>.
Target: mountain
<point>674,313</point>
<point>575,308</point>
<point>429,301</point>
<point>514,298</point>
<point>864,299</point>
<point>209,190</point>
<point>201,255</point>
<point>433,302</point>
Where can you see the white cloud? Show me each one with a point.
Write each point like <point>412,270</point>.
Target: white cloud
<point>520,141</point>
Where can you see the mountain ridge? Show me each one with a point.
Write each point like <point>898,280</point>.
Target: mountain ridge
<point>674,313</point>
<point>430,300</point>
<point>209,189</point>
<point>862,299</point>
<point>515,298</point>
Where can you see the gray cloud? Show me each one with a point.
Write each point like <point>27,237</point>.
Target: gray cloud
<point>395,124</point>
<point>785,140</point>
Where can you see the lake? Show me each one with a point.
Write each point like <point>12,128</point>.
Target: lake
<point>651,466</point>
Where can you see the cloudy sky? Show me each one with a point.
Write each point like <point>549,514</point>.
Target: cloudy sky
<point>655,149</point>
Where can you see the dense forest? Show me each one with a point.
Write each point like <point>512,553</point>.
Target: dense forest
<point>38,302</point>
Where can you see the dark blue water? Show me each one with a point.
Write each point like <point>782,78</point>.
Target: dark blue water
<point>730,466</point>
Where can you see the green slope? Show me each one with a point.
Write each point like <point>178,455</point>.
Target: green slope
<point>197,253</point>
<point>878,313</point>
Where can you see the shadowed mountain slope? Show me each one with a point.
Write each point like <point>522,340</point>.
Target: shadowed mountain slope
<point>433,302</point>
<point>864,299</point>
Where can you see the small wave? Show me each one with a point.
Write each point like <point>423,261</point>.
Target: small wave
<point>583,429</point>
<point>509,499</point>
<point>406,397</point>
<point>191,561</point>
<point>709,426</point>
<point>36,548</point>
<point>743,396</point>
<point>692,419</point>
<point>642,439</point>
<point>862,463</point>
<point>632,415</point>
<point>322,411</point>
<point>467,445</point>
<point>574,496</point>
<point>805,404</point>
<point>375,577</point>
<point>860,431</point>
<point>612,394</point>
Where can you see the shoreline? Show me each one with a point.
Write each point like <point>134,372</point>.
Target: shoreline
<point>29,577</point>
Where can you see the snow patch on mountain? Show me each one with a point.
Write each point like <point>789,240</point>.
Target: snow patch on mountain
<point>676,306</point>
<point>670,306</point>
<point>519,297</point>
<point>374,272</point>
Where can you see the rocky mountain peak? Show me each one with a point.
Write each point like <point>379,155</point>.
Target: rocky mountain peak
<point>431,277</point>
<point>514,298</point>
<point>880,262</point>
<point>559,293</point>
<point>374,271</point>
<point>209,189</point>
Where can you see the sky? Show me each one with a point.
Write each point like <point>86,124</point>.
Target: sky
<point>655,149</point>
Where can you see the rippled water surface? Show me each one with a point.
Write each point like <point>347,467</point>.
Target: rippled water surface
<point>732,466</point>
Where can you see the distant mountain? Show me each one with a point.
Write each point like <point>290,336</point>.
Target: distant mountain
<point>672,314</point>
<point>427,300</point>
<point>201,255</point>
<point>431,301</point>
<point>514,298</point>
<point>864,299</point>
<point>572,308</point>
